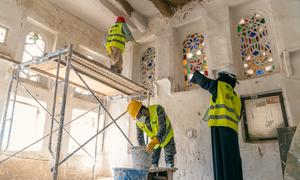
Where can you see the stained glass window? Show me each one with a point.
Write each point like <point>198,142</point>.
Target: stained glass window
<point>194,56</point>
<point>34,47</point>
<point>148,69</point>
<point>255,48</point>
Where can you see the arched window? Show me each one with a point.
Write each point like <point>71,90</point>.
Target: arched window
<point>255,48</point>
<point>148,69</point>
<point>34,47</point>
<point>194,56</point>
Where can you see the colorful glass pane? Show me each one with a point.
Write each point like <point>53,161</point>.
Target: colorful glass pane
<point>194,56</point>
<point>148,69</point>
<point>255,49</point>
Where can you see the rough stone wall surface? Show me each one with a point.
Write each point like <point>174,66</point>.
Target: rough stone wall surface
<point>67,28</point>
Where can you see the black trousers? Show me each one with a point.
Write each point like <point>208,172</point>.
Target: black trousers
<point>226,154</point>
<point>170,151</point>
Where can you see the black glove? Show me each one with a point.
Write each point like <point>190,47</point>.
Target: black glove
<point>195,75</point>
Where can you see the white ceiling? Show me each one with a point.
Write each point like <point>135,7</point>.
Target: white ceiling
<point>97,15</point>
<point>144,7</point>
<point>90,11</point>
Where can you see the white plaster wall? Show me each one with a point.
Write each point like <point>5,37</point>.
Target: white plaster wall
<point>115,152</point>
<point>185,109</point>
<point>260,160</point>
<point>193,158</point>
<point>59,28</point>
<point>286,19</point>
<point>67,28</point>
<point>164,43</point>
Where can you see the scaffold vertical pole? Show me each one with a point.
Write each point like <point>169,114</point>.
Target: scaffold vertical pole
<point>11,80</point>
<point>62,113</point>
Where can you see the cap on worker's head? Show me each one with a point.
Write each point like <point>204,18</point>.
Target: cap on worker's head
<point>120,19</point>
<point>134,108</point>
<point>230,75</point>
<point>233,76</point>
<point>228,71</point>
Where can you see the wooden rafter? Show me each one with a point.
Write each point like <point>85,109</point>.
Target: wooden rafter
<point>164,8</point>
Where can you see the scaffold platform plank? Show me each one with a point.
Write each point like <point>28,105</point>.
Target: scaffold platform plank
<point>100,78</point>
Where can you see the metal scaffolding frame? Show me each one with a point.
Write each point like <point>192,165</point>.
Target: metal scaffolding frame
<point>64,57</point>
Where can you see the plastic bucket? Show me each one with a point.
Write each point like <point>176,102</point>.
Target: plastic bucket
<point>140,158</point>
<point>130,174</point>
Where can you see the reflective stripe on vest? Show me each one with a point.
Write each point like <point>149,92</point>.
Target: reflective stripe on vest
<point>115,38</point>
<point>227,108</point>
<point>155,126</point>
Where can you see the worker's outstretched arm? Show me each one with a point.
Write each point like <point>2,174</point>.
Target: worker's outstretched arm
<point>161,123</point>
<point>127,33</point>
<point>205,83</point>
<point>140,136</point>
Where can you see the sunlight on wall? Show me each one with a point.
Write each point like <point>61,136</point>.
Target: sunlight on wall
<point>28,125</point>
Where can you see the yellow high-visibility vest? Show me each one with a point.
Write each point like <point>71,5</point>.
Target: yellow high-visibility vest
<point>226,111</point>
<point>155,127</point>
<point>116,38</point>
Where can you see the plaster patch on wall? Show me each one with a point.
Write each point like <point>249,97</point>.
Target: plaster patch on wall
<point>191,133</point>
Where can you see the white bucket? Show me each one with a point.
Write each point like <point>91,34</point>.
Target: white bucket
<point>140,158</point>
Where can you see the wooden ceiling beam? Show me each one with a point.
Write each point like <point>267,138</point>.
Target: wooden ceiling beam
<point>164,8</point>
<point>139,20</point>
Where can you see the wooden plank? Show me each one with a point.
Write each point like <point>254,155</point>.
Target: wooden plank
<point>9,59</point>
<point>105,82</point>
<point>100,78</point>
<point>161,169</point>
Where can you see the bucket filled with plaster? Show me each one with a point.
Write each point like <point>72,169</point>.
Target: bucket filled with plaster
<point>140,157</point>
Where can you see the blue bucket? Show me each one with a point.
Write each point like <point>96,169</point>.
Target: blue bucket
<point>130,174</point>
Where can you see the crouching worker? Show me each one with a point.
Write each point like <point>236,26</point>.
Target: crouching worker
<point>156,124</point>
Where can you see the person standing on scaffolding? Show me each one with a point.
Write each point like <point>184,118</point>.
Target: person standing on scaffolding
<point>118,35</point>
<point>157,125</point>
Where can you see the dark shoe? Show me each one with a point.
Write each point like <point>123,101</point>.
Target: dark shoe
<point>169,165</point>
<point>115,69</point>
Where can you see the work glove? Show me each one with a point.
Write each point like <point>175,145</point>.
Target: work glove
<point>194,78</point>
<point>154,141</point>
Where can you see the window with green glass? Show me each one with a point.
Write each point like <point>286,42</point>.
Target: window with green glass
<point>194,56</point>
<point>255,46</point>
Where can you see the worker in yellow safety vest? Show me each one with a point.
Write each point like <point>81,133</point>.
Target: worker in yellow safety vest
<point>118,35</point>
<point>157,125</point>
<point>223,119</point>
